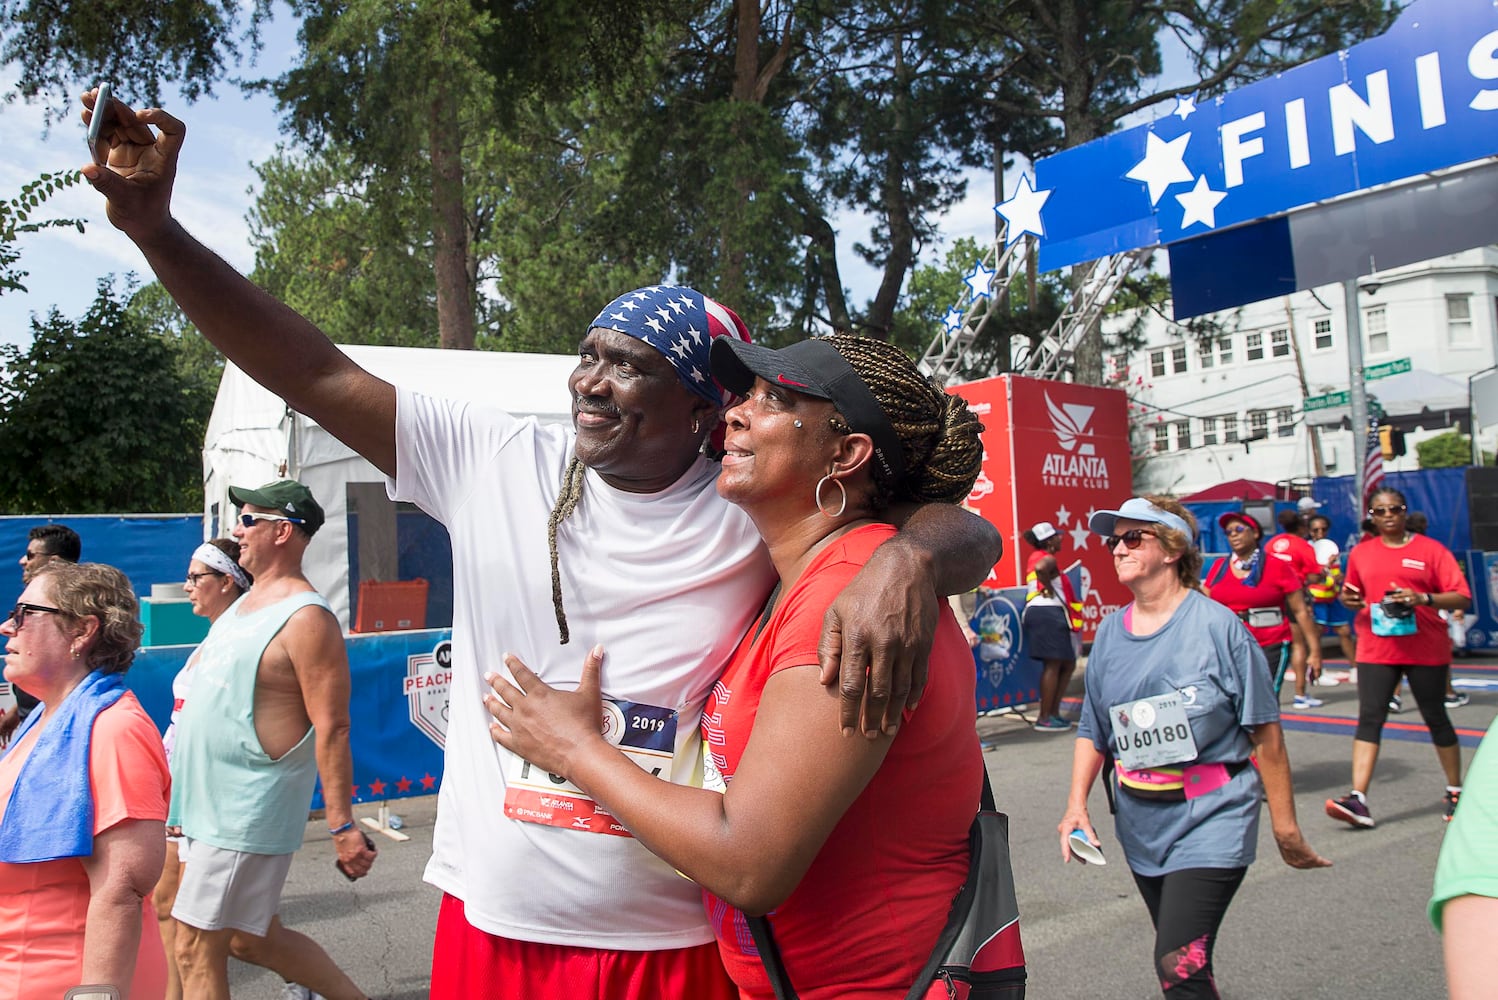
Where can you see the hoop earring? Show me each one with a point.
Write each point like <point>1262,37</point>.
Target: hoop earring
<point>843,503</point>
<point>695,425</point>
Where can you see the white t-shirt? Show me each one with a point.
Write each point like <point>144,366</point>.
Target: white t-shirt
<point>667,582</point>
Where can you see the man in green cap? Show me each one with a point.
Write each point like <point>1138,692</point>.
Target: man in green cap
<point>272,675</point>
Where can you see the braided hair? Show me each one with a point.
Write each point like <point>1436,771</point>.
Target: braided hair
<point>938,433</point>
<point>567,500</point>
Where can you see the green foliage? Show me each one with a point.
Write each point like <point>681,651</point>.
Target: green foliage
<point>1447,451</point>
<point>15,221</point>
<point>139,44</point>
<point>96,417</point>
<point>198,362</point>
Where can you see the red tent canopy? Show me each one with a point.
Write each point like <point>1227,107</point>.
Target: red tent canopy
<point>1236,489</point>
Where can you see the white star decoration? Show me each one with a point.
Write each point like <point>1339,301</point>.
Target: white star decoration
<point>1062,515</point>
<point>952,321</point>
<point>1185,106</point>
<point>1022,212</point>
<point>978,279</point>
<point>1079,536</point>
<point>1163,165</point>
<point>1200,204</point>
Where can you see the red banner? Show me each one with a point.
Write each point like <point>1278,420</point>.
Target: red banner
<point>1053,451</point>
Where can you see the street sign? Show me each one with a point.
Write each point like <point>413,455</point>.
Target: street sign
<point>1386,369</point>
<point>1327,401</point>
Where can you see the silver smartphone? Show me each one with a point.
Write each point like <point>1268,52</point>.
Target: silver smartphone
<point>96,123</point>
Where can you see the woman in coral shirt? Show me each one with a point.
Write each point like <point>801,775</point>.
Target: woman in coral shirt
<point>83,795</point>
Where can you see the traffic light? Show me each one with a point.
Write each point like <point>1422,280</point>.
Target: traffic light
<point>1390,442</point>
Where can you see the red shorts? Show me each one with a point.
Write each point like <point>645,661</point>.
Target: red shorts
<point>470,964</point>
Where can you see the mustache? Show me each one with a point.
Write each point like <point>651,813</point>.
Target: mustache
<point>588,404</point>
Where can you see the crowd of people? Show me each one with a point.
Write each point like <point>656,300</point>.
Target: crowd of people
<point>774,618</point>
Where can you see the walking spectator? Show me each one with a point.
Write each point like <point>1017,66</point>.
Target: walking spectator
<point>1052,623</point>
<point>1397,582</point>
<point>1265,594</point>
<point>863,842</point>
<point>633,532</point>
<point>272,676</point>
<point>1328,611</point>
<point>1464,905</point>
<point>45,544</point>
<point>215,580</point>
<point>1417,523</point>
<point>83,795</point>
<point>1173,662</point>
<point>1293,546</point>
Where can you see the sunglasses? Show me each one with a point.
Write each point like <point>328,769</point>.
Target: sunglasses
<point>1381,511</point>
<point>20,611</point>
<point>249,519</point>
<point>1132,539</point>
<point>193,578</point>
<point>1236,529</point>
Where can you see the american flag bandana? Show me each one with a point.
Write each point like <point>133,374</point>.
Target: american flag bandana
<point>681,323</point>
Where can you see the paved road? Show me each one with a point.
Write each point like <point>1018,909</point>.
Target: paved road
<point>1357,929</point>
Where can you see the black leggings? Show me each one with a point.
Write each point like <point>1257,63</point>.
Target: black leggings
<point>1377,683</point>
<point>1187,908</point>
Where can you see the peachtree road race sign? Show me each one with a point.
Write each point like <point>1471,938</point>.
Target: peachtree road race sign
<point>1421,97</point>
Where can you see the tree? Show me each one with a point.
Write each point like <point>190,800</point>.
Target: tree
<point>1446,451</point>
<point>95,417</point>
<point>56,45</point>
<point>15,221</point>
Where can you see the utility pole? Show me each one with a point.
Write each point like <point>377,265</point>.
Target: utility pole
<point>1357,390</point>
<point>1313,434</point>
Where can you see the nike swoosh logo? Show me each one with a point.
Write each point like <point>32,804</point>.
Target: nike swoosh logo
<point>785,381</point>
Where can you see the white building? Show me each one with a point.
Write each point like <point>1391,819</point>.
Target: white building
<point>1234,405</point>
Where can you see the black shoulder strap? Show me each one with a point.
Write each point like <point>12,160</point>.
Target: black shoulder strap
<point>1218,568</point>
<point>769,954</point>
<point>764,616</point>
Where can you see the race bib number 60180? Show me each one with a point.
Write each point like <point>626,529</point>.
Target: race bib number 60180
<point>1152,732</point>
<point>645,733</point>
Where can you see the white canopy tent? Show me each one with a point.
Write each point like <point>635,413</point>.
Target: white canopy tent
<point>253,437</point>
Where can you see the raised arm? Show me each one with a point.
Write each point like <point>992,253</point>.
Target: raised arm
<point>320,660</point>
<point>877,634</point>
<point>271,342</point>
<point>749,847</point>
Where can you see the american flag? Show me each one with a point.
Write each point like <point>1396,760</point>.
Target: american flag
<point>1373,464</point>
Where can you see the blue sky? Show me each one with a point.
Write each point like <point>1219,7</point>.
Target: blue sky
<point>213,195</point>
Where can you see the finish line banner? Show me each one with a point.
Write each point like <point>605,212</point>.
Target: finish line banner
<point>1421,97</point>
<point>398,706</point>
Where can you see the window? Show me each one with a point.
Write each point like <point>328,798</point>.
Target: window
<point>1230,428</point>
<point>1224,351</point>
<point>1178,358</point>
<point>1209,430</point>
<point>1157,363</point>
<point>1255,347</point>
<point>1204,352</point>
<point>1258,423</point>
<point>1183,435</point>
<point>1284,422</point>
<point>1118,367</point>
<point>1279,343</point>
<point>1162,437</point>
<point>1376,326</point>
<point>1459,319</point>
<point>1322,329</point>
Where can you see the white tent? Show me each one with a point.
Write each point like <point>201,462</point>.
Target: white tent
<point>254,437</point>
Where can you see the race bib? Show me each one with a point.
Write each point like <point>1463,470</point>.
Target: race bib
<point>1387,625</point>
<point>645,733</point>
<point>1152,732</point>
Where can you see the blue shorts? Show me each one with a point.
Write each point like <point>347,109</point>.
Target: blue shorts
<point>1332,612</point>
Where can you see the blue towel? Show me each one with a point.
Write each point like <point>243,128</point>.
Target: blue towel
<point>51,809</point>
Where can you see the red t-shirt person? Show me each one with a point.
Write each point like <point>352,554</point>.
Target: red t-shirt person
<point>1267,584</point>
<point>1423,565</point>
<point>1297,552</point>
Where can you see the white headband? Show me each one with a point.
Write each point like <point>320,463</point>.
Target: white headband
<point>215,557</point>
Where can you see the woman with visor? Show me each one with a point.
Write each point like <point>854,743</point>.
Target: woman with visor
<point>1178,700</point>
<point>1260,590</point>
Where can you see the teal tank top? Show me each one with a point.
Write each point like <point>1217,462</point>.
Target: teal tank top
<point>226,791</point>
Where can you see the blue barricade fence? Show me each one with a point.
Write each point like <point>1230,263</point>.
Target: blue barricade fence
<point>398,707</point>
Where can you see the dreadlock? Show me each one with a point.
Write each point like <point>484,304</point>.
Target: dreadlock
<point>567,499</point>
<point>938,433</point>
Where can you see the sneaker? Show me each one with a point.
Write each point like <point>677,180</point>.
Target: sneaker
<point>296,991</point>
<point>1395,705</point>
<point>1306,701</point>
<point>1350,809</point>
<point>1451,800</point>
<point>1457,700</point>
<point>1055,724</point>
